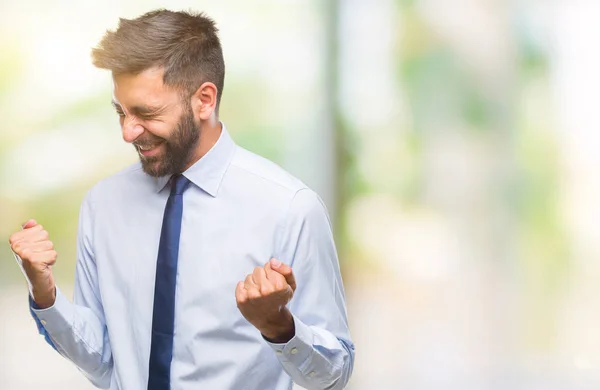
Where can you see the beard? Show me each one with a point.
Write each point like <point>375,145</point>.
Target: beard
<point>178,148</point>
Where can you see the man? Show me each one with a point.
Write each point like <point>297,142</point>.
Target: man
<point>184,269</point>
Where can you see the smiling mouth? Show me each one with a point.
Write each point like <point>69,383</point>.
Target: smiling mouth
<point>148,149</point>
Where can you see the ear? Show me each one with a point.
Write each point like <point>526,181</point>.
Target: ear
<point>204,101</point>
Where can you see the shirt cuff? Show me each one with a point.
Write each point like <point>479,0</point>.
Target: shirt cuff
<point>58,317</point>
<point>298,350</point>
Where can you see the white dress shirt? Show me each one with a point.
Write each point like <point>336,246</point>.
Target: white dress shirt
<point>240,211</point>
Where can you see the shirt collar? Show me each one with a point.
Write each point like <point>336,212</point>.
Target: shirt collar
<point>207,173</point>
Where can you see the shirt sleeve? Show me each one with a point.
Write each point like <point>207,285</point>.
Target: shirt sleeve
<point>321,354</point>
<point>78,330</point>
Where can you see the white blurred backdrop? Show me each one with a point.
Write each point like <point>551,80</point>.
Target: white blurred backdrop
<point>454,142</point>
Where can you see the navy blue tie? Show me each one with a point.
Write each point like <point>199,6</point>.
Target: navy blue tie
<point>163,317</point>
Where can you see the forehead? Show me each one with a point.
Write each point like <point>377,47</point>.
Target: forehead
<point>145,88</point>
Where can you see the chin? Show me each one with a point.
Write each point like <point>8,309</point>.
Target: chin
<point>154,168</point>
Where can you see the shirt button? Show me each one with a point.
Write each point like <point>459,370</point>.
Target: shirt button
<point>294,351</point>
<point>278,352</point>
<point>312,374</point>
<point>43,322</point>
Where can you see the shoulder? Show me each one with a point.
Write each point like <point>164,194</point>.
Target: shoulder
<point>130,179</point>
<point>301,202</point>
<point>254,168</point>
<point>258,179</point>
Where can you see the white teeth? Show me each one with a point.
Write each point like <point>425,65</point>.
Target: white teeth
<point>147,147</point>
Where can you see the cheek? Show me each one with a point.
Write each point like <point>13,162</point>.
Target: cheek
<point>158,130</point>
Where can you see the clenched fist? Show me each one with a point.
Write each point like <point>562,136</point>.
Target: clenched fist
<point>262,298</point>
<point>34,247</point>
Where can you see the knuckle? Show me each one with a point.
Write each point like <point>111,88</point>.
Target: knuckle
<point>13,238</point>
<point>266,290</point>
<point>280,280</point>
<point>45,235</point>
<point>26,254</point>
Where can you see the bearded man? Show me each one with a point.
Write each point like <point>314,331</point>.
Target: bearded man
<point>203,266</point>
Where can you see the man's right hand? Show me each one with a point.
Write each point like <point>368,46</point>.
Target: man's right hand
<point>34,247</point>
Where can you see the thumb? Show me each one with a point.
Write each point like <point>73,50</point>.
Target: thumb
<point>284,270</point>
<point>29,224</point>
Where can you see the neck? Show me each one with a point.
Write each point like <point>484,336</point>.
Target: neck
<point>210,131</point>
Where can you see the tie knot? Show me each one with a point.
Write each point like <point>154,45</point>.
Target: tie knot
<point>179,183</point>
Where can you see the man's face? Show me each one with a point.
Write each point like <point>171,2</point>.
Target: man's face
<point>155,120</point>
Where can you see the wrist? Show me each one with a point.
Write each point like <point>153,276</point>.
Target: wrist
<point>279,329</point>
<point>44,298</point>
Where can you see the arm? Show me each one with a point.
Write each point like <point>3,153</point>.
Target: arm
<point>76,330</point>
<point>310,335</point>
<point>324,352</point>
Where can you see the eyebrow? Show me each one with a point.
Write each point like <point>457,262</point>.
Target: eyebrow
<point>141,110</point>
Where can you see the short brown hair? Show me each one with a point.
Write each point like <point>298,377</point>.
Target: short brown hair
<point>184,44</point>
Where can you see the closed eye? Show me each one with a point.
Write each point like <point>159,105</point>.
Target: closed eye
<point>146,117</point>
<point>144,113</point>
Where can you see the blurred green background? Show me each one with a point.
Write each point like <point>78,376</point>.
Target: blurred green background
<point>454,143</point>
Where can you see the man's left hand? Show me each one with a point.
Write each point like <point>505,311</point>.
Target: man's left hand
<point>262,298</point>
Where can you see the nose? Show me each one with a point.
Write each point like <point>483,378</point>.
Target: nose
<point>131,129</point>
